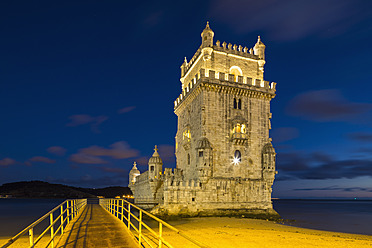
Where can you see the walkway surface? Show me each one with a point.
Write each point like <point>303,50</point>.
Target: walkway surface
<point>95,227</point>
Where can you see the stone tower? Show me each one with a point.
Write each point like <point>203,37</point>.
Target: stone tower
<point>224,117</point>
<point>225,159</point>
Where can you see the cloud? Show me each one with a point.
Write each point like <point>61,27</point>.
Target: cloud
<point>114,170</point>
<point>41,159</point>
<point>93,154</point>
<point>283,134</point>
<point>337,188</point>
<point>320,166</point>
<point>153,19</point>
<point>78,120</point>
<point>142,161</point>
<point>81,158</point>
<point>290,20</point>
<point>118,150</point>
<point>126,109</point>
<point>326,106</point>
<point>166,153</point>
<point>7,161</point>
<point>57,150</point>
<point>361,136</point>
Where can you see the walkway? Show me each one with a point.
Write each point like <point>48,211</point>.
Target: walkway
<point>95,227</point>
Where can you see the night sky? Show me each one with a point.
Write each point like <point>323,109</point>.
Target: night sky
<point>87,87</point>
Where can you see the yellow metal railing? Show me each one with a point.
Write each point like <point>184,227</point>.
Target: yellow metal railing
<point>132,216</point>
<point>68,210</point>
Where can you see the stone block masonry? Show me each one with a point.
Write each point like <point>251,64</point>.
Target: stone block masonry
<point>225,159</point>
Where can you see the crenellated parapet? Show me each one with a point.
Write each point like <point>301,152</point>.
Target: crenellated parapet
<point>235,49</point>
<point>174,179</point>
<point>144,177</point>
<point>219,80</point>
<point>187,65</point>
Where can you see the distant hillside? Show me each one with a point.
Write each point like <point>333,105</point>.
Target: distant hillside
<point>39,189</point>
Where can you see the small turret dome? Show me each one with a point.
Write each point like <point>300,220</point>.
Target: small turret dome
<point>134,170</point>
<point>259,48</point>
<point>155,159</point>
<point>207,36</point>
<point>268,149</point>
<point>204,143</point>
<point>259,42</point>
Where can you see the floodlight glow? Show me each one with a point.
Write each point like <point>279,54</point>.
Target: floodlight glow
<point>236,161</point>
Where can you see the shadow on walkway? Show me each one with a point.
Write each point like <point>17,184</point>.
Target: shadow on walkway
<point>95,227</point>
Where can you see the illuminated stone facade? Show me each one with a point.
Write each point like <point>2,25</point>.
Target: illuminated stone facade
<point>225,159</point>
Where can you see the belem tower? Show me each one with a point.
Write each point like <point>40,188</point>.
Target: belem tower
<point>225,159</point>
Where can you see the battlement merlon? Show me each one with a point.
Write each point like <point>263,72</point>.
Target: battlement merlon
<point>217,80</point>
<point>232,51</point>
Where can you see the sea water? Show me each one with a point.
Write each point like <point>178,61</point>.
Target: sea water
<point>17,214</point>
<point>329,215</point>
<point>348,216</point>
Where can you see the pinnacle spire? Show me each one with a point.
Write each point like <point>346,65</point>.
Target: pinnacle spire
<point>156,154</point>
<point>207,27</point>
<point>259,42</point>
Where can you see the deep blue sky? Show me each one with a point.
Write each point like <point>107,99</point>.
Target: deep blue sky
<point>87,87</point>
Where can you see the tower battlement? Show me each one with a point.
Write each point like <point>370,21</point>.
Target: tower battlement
<point>245,84</point>
<point>224,47</point>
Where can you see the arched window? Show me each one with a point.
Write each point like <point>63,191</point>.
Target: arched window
<point>236,71</point>
<point>188,158</point>
<point>235,103</point>
<point>187,135</point>
<point>239,128</point>
<point>240,104</point>
<point>237,157</point>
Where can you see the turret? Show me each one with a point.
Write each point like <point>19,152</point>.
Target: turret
<point>155,165</point>
<point>183,67</point>
<point>204,159</point>
<point>259,48</point>
<point>134,172</point>
<point>268,162</point>
<point>207,36</point>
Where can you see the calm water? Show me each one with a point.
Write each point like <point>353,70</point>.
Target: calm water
<point>330,215</point>
<point>16,214</point>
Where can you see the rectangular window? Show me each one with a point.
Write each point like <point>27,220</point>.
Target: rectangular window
<point>201,154</point>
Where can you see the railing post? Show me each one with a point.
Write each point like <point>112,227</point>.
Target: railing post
<point>31,236</point>
<point>160,234</point>
<point>122,211</point>
<point>140,228</point>
<point>75,208</point>
<point>129,217</point>
<point>62,219</point>
<point>52,229</point>
<point>115,208</point>
<point>68,211</point>
<point>72,209</point>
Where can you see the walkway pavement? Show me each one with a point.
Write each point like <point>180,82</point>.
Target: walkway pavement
<point>95,227</point>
